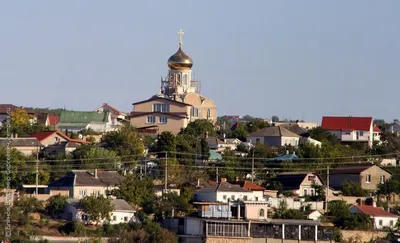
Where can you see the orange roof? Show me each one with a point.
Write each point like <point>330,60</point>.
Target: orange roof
<point>375,211</point>
<point>248,185</point>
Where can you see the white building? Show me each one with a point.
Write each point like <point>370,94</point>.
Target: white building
<point>122,213</point>
<point>274,137</point>
<point>352,129</point>
<point>381,218</point>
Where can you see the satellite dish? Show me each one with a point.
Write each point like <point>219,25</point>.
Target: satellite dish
<point>80,136</point>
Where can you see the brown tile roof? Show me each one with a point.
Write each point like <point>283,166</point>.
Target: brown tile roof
<point>161,98</point>
<point>248,185</point>
<point>3,108</point>
<point>21,142</point>
<point>351,169</point>
<point>175,114</point>
<point>273,132</point>
<point>375,211</point>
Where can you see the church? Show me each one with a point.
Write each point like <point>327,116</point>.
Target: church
<point>178,102</point>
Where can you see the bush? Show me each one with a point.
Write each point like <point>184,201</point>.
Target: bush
<point>73,228</point>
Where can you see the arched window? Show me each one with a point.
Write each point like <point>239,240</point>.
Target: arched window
<point>208,113</point>
<point>185,80</point>
<point>261,213</point>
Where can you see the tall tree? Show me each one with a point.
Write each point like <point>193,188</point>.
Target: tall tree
<point>98,208</point>
<point>93,157</point>
<point>20,117</point>
<point>199,128</point>
<point>166,142</point>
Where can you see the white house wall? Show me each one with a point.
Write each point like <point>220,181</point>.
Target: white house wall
<point>385,222</point>
<point>238,195</point>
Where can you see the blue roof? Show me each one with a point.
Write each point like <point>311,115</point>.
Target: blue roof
<point>214,155</point>
<point>286,157</point>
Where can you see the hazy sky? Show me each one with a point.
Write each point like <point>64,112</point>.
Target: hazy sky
<point>293,59</point>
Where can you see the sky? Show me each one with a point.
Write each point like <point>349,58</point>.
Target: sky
<point>293,59</point>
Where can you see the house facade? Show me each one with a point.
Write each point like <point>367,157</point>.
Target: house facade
<point>369,176</point>
<point>27,146</point>
<point>299,183</point>
<point>165,114</point>
<point>76,121</point>
<point>82,183</point>
<point>352,129</point>
<point>122,212</point>
<point>381,218</point>
<point>118,118</point>
<point>275,136</point>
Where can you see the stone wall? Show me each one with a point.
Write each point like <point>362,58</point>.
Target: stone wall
<point>227,240</point>
<point>362,236</point>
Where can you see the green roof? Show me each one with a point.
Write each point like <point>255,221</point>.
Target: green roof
<point>83,117</point>
<point>214,155</point>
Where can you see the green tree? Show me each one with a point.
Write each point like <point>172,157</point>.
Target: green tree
<point>137,190</point>
<point>282,212</point>
<point>199,128</point>
<point>20,117</point>
<point>323,135</point>
<point>167,142</point>
<point>126,142</point>
<point>93,157</point>
<point>97,207</point>
<point>168,203</point>
<point>353,189</point>
<point>275,118</point>
<point>21,171</point>
<point>56,205</point>
<point>29,204</point>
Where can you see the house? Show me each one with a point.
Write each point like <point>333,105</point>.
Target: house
<point>172,188</point>
<point>7,109</point>
<point>286,157</point>
<point>304,125</point>
<point>352,129</point>
<point>302,132</point>
<point>394,128</point>
<point>118,118</point>
<point>381,218</point>
<point>313,214</point>
<point>299,183</point>
<point>62,148</point>
<point>76,121</point>
<point>81,183</point>
<point>122,213</point>
<point>47,119</point>
<point>369,176</point>
<point>27,146</point>
<point>274,137</point>
<point>226,200</point>
<point>258,191</point>
<point>165,114</point>
<point>214,143</point>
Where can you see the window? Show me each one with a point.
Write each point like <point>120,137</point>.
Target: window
<point>163,119</point>
<point>114,218</point>
<point>383,179</point>
<point>195,112</point>
<point>224,197</point>
<point>311,178</point>
<point>208,113</point>
<point>126,219</point>
<point>312,191</point>
<point>391,223</point>
<point>261,213</point>
<point>380,222</point>
<point>151,119</point>
<point>305,192</point>
<point>82,192</point>
<point>368,178</point>
<point>347,133</point>
<point>185,81</point>
<point>256,198</point>
<point>361,133</point>
<point>245,198</point>
<point>160,107</point>
<point>233,197</point>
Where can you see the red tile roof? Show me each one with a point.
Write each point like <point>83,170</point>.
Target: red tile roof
<point>248,185</point>
<point>376,129</point>
<point>53,120</point>
<point>346,123</point>
<point>43,135</point>
<point>375,211</point>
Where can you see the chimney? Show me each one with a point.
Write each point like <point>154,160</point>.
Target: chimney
<point>237,178</point>
<point>198,182</point>
<point>223,179</point>
<point>287,151</point>
<point>95,173</point>
<point>16,135</point>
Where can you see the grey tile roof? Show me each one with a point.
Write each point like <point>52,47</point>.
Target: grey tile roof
<point>228,187</point>
<point>118,204</point>
<point>21,142</point>
<point>273,132</point>
<point>86,178</point>
<point>294,128</point>
<point>351,169</point>
<point>290,181</point>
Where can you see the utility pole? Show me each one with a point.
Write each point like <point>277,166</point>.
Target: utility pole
<point>145,166</point>
<point>37,171</point>
<point>327,189</point>
<point>216,175</point>
<point>252,166</point>
<point>166,171</point>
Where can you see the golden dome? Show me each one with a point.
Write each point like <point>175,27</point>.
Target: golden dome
<point>180,61</point>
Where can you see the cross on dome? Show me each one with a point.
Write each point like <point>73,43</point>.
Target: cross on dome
<point>180,33</point>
